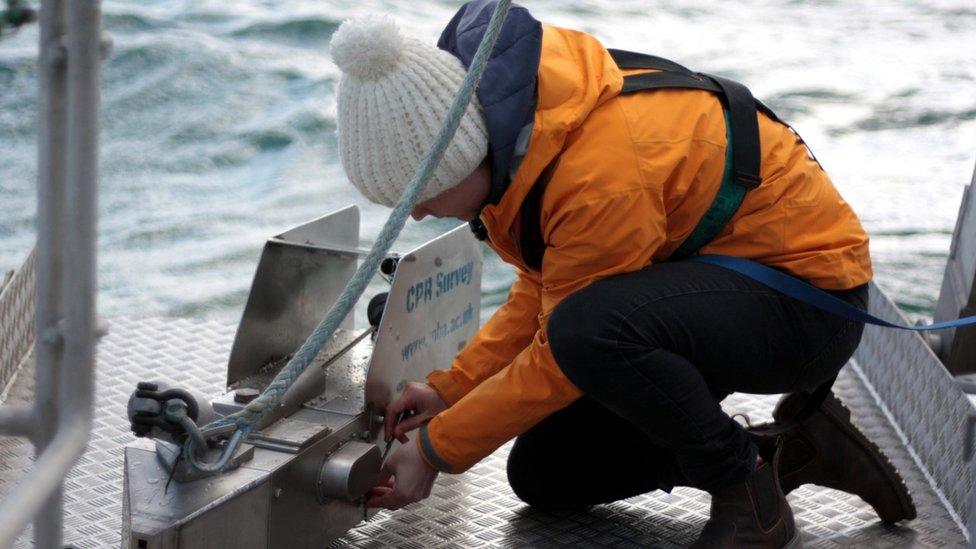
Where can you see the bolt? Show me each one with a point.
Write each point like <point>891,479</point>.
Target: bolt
<point>365,435</point>
<point>245,395</point>
<point>278,492</point>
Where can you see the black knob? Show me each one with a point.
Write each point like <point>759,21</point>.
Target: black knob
<point>374,311</point>
<point>389,265</point>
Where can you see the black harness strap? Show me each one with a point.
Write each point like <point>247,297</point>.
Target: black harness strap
<point>742,106</point>
<point>737,100</point>
<point>633,60</point>
<point>668,80</point>
<point>746,151</point>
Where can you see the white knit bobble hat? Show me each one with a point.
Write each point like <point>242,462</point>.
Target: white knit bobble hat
<point>394,94</point>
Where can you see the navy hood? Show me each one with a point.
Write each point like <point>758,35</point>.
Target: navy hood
<point>507,91</point>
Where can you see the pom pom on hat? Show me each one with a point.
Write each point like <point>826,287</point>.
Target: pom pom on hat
<point>394,94</point>
<point>367,48</point>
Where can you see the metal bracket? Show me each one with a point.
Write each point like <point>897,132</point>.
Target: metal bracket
<point>300,274</point>
<point>169,456</point>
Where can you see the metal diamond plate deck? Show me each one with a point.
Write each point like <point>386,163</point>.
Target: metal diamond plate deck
<point>476,509</point>
<point>934,425</point>
<point>17,320</point>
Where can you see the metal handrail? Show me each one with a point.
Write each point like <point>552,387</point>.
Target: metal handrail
<point>16,421</point>
<point>60,422</point>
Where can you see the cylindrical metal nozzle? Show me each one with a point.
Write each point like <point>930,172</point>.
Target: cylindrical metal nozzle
<point>349,472</point>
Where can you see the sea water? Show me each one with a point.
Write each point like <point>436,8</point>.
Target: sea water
<point>218,127</point>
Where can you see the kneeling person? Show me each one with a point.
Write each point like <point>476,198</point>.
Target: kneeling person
<point>610,357</point>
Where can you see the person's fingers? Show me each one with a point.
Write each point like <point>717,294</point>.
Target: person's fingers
<point>405,402</point>
<point>392,412</point>
<point>391,500</point>
<point>409,424</point>
<point>386,473</point>
<point>381,501</point>
<point>375,494</point>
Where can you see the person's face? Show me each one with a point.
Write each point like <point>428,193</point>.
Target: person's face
<point>462,201</point>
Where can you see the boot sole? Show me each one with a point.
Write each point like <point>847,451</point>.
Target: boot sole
<point>838,413</point>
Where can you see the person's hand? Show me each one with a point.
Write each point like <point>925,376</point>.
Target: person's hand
<point>421,401</point>
<point>405,478</point>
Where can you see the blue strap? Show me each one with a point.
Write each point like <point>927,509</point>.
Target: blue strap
<point>811,295</point>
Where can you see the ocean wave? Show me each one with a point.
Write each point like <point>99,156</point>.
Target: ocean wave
<point>269,140</point>
<point>890,118</point>
<point>297,32</point>
<point>131,22</point>
<point>243,256</point>
<point>227,302</point>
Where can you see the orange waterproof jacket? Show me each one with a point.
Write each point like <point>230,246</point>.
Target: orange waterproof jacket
<point>635,173</point>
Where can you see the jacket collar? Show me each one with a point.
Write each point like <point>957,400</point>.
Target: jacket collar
<point>507,91</point>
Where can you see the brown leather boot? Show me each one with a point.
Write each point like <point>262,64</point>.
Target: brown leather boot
<point>752,514</point>
<point>828,450</point>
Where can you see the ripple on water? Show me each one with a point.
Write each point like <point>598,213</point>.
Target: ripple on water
<point>889,118</point>
<point>269,140</point>
<point>131,22</point>
<point>305,32</point>
<point>145,237</point>
<point>227,302</point>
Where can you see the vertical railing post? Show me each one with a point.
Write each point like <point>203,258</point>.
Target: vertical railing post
<point>60,422</point>
<point>79,287</point>
<point>51,157</point>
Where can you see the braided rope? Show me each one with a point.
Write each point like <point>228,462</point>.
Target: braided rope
<point>245,419</point>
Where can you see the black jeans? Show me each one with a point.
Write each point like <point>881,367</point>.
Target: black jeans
<point>655,352</point>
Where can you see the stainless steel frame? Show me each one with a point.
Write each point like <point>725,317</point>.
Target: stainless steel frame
<point>299,276</point>
<point>305,468</point>
<point>59,422</point>
<point>958,294</point>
